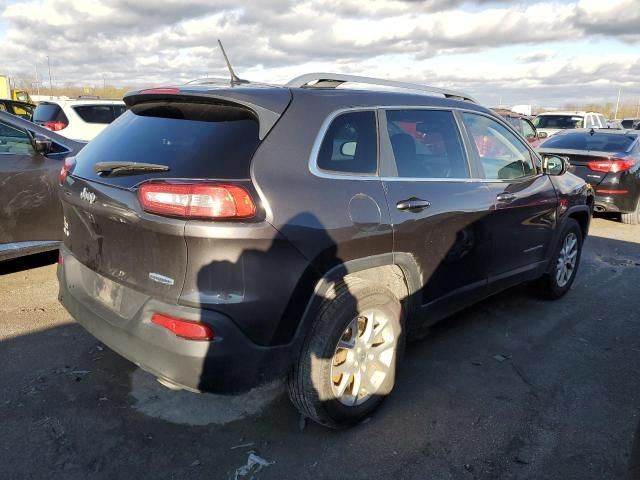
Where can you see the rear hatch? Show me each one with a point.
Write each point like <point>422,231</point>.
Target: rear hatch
<point>106,228</point>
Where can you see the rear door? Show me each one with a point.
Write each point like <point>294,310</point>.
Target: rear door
<point>106,228</point>
<point>438,212</point>
<point>523,217</point>
<point>29,205</point>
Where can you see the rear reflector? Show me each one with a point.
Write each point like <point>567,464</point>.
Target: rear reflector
<point>187,329</point>
<point>55,126</point>
<point>196,200</point>
<point>67,166</point>
<point>161,90</point>
<point>610,166</point>
<point>611,192</point>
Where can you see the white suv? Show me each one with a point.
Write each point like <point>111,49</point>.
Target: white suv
<point>80,119</point>
<point>554,122</point>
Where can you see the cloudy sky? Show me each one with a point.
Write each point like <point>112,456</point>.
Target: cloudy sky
<point>540,52</point>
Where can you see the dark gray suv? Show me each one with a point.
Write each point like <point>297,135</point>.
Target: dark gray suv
<point>223,237</point>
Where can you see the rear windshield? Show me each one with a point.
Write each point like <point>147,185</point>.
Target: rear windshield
<point>49,112</point>
<point>559,121</point>
<point>208,141</point>
<point>601,142</point>
<point>103,114</point>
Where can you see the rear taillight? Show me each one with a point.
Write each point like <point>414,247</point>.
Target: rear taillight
<point>610,166</point>
<point>68,165</point>
<point>196,200</point>
<point>187,329</point>
<point>605,191</point>
<point>55,126</point>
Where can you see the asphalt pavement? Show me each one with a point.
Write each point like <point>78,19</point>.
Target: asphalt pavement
<point>513,388</point>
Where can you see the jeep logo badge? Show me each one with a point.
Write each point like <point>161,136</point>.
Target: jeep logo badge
<point>87,195</point>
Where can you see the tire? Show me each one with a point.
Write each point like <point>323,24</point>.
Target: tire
<point>315,381</point>
<point>632,218</point>
<point>553,284</point>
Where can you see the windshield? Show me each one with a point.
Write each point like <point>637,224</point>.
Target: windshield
<point>559,121</point>
<point>601,142</point>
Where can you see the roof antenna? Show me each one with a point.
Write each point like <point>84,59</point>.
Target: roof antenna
<point>235,80</point>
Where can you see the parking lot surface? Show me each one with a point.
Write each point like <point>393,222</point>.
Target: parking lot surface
<point>513,388</point>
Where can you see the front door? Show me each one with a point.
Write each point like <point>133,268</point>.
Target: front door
<point>29,206</point>
<point>438,212</point>
<point>523,220</point>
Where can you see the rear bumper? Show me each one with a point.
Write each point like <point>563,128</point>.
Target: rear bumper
<point>231,363</point>
<point>619,203</point>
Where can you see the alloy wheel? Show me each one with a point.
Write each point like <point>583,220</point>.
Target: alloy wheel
<point>567,258</point>
<point>363,358</point>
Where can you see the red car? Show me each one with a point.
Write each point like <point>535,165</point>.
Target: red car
<point>523,125</point>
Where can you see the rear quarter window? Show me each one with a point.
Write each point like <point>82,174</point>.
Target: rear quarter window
<point>350,144</point>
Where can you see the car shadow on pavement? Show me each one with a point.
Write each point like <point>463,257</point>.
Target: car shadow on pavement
<point>28,262</point>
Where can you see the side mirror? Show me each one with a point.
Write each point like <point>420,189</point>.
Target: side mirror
<point>542,135</point>
<point>42,144</point>
<point>348,149</point>
<point>555,165</point>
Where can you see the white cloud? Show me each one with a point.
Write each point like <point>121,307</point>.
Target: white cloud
<point>140,42</point>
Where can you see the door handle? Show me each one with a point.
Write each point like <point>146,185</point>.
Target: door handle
<point>506,197</point>
<point>412,205</point>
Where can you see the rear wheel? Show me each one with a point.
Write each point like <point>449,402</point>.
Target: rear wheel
<point>632,218</point>
<point>348,361</point>
<point>555,283</point>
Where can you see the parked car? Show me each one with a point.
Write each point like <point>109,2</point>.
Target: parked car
<point>30,161</point>
<point>523,125</point>
<point>80,119</point>
<point>554,122</point>
<point>221,238</point>
<point>609,160</point>
<point>14,107</point>
<point>631,123</point>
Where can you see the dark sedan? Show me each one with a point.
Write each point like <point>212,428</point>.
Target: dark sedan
<point>609,160</point>
<point>31,158</point>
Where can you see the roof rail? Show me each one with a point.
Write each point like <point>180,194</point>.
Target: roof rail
<point>333,80</point>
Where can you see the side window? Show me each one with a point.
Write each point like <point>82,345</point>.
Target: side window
<point>502,155</point>
<point>2,107</point>
<point>527,129</point>
<point>603,121</point>
<point>14,140</point>
<point>95,113</point>
<point>118,110</point>
<point>426,144</point>
<point>589,123</point>
<point>350,144</point>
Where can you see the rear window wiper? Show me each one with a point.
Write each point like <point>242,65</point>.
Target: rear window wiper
<point>127,168</point>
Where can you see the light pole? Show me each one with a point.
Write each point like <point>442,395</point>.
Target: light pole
<point>615,116</point>
<point>104,86</point>
<point>50,82</point>
<point>37,80</point>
